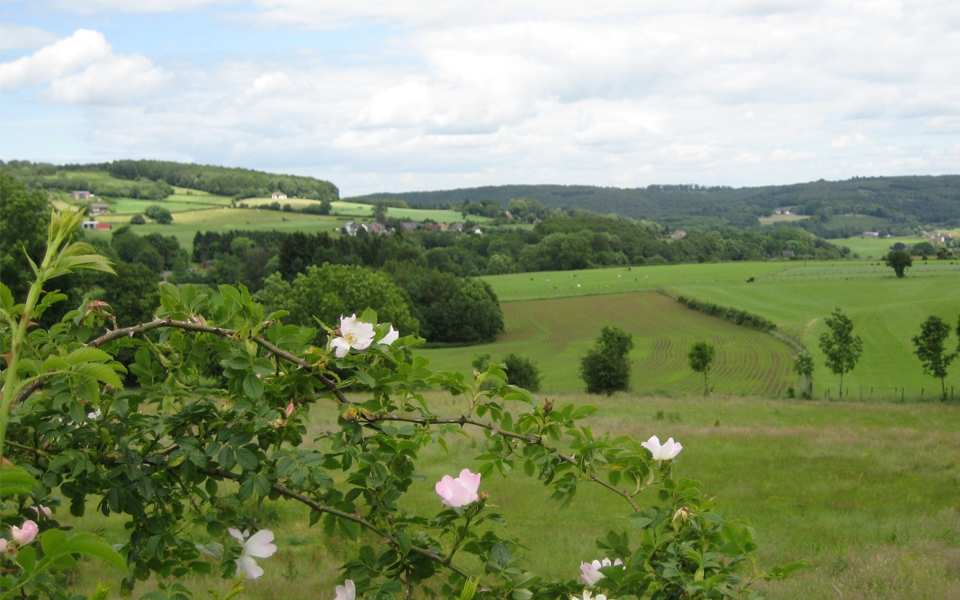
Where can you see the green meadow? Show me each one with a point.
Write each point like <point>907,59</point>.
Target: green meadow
<point>356,209</point>
<point>886,312</point>
<point>186,224</point>
<point>556,333</point>
<point>868,494</point>
<point>877,248</point>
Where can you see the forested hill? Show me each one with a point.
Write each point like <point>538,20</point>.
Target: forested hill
<point>921,199</point>
<point>154,178</point>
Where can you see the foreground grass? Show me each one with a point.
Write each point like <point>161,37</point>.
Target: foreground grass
<point>869,494</point>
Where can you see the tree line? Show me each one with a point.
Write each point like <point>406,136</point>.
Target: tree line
<point>152,179</point>
<point>920,199</point>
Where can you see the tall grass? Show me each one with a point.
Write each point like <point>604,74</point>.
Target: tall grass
<point>867,493</point>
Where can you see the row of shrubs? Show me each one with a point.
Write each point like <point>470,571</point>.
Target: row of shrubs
<point>734,315</point>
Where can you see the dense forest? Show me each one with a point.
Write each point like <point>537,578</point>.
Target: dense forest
<point>909,201</point>
<point>152,179</point>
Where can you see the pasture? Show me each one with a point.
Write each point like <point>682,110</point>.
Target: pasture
<point>555,334</point>
<point>866,493</point>
<point>782,219</point>
<point>886,312</point>
<point>365,211</point>
<point>186,224</point>
<point>877,248</point>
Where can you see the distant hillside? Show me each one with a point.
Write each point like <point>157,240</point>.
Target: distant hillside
<point>897,200</point>
<point>152,179</point>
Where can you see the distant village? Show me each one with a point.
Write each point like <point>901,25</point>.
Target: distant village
<point>352,228</point>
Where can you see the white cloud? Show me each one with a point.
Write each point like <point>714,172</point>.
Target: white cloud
<point>24,37</point>
<point>117,80</point>
<point>69,54</point>
<point>739,92</point>
<point>83,69</point>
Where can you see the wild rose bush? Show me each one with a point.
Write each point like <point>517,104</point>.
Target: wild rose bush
<point>215,421</point>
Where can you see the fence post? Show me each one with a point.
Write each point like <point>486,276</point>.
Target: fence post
<point>901,395</point>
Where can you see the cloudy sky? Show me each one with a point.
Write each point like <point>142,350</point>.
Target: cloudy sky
<point>417,95</point>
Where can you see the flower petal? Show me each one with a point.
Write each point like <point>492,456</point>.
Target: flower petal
<point>259,544</point>
<point>347,591</point>
<point>341,346</point>
<point>469,481</point>
<point>235,534</point>
<point>392,336</point>
<point>249,567</point>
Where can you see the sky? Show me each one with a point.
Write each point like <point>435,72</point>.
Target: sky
<point>415,95</point>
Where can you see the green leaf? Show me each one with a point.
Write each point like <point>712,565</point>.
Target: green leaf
<point>6,301</point>
<point>14,480</point>
<point>86,355</point>
<point>52,541</point>
<point>246,459</point>
<point>500,554</point>
<point>27,558</point>
<point>100,372</point>
<point>252,386</point>
<point>91,545</point>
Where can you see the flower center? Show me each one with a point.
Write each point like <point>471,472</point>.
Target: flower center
<point>351,338</point>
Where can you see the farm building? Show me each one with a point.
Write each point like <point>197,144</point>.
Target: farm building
<point>278,196</point>
<point>81,195</point>
<point>95,225</point>
<point>352,228</point>
<point>99,208</point>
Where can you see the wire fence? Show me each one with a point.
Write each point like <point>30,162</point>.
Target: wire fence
<point>900,395</point>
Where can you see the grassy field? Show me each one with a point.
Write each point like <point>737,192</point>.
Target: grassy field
<point>356,209</point>
<point>782,219</point>
<point>876,248</point>
<point>864,222</point>
<point>590,282</point>
<point>186,224</point>
<point>555,334</point>
<point>886,312</point>
<point>868,494</point>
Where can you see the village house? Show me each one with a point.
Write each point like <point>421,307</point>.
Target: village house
<point>409,226</point>
<point>458,227</point>
<point>99,208</point>
<point>351,228</point>
<point>870,234</point>
<point>81,195</point>
<point>278,196</point>
<point>378,228</point>
<point>679,234</point>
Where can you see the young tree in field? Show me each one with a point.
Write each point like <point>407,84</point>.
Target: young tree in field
<point>931,348</point>
<point>522,372</point>
<point>606,367</point>
<point>701,357</point>
<point>898,260</point>
<point>159,214</point>
<point>843,349</point>
<point>803,366</point>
